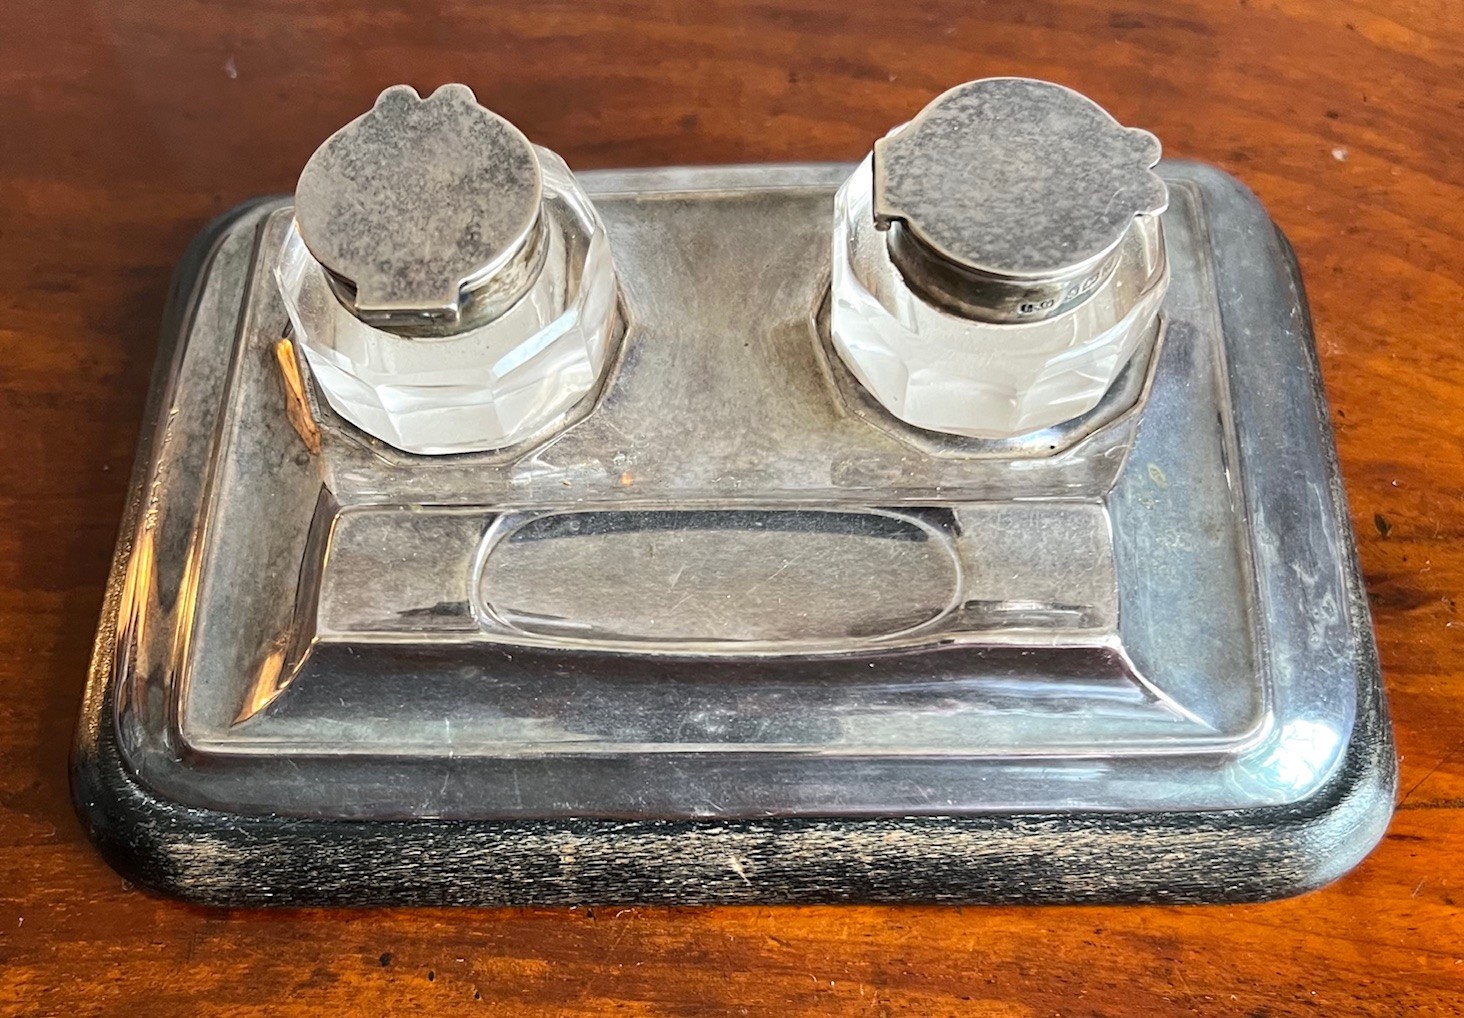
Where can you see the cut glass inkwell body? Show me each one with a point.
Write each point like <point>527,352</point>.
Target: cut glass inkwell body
<point>963,525</point>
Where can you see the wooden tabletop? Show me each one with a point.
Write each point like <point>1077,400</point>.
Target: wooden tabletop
<point>125,125</point>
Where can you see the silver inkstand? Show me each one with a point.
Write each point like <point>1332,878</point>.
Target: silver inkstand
<point>964,525</point>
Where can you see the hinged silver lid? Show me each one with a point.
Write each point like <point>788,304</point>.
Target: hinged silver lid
<point>418,202</point>
<point>1014,181</point>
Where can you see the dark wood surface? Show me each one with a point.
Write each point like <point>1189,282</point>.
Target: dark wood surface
<point>124,126</point>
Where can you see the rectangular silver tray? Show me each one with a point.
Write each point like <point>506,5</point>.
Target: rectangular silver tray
<point>732,589</point>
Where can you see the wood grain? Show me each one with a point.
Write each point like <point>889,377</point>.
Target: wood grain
<point>123,126</point>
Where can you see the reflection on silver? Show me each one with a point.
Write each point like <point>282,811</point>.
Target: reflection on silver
<point>696,581</point>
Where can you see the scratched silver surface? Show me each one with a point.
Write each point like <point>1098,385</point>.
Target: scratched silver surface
<point>725,586</point>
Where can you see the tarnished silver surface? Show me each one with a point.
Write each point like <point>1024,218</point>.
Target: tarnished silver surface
<point>1009,197</point>
<point>420,205</point>
<point>723,589</point>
